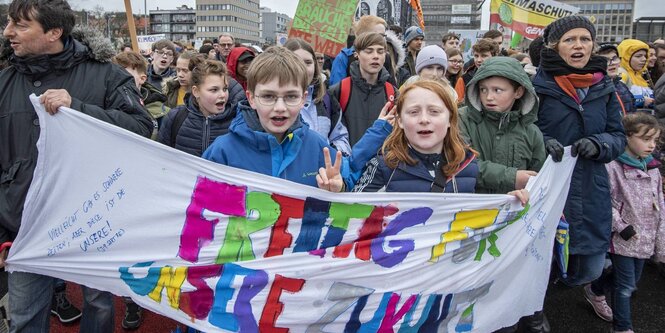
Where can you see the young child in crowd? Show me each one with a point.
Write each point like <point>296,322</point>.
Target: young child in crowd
<point>153,99</point>
<point>482,50</point>
<point>426,151</point>
<point>364,94</point>
<point>499,123</point>
<point>318,112</point>
<point>638,221</point>
<point>268,135</point>
<point>611,53</point>
<point>176,88</point>
<point>431,64</point>
<point>207,112</point>
<point>454,72</point>
<point>163,53</point>
<point>634,62</point>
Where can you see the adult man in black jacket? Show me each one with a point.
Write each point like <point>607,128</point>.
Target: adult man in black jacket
<point>48,61</point>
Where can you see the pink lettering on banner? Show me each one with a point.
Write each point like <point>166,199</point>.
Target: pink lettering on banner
<point>391,318</point>
<point>213,196</point>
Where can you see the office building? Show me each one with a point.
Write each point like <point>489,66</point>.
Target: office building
<point>240,18</point>
<point>613,18</point>
<point>649,29</point>
<point>177,24</point>
<point>272,23</point>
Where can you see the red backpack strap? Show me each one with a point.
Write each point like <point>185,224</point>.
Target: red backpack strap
<point>344,93</point>
<point>390,93</point>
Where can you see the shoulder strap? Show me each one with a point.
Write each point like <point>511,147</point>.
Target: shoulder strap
<point>344,93</point>
<point>177,123</point>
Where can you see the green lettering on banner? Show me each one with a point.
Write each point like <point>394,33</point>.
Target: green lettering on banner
<point>237,246</point>
<point>342,213</point>
<point>326,21</point>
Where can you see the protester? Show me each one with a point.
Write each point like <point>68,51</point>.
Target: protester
<point>321,117</point>
<point>450,41</point>
<point>367,90</point>
<point>499,124</point>
<point>525,61</point>
<point>238,62</point>
<point>497,37</point>
<point>431,64</point>
<point>176,88</point>
<point>578,107</point>
<point>225,44</point>
<point>207,112</point>
<point>454,73</point>
<point>660,53</point>
<point>127,47</point>
<point>153,99</point>
<point>534,51</point>
<point>208,51</point>
<point>268,135</point>
<point>397,56</point>
<point>654,67</point>
<point>163,53</point>
<point>610,52</point>
<point>48,61</point>
<point>633,54</point>
<point>482,50</point>
<point>413,40</point>
<point>638,221</point>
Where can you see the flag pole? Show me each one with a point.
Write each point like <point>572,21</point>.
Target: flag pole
<point>131,26</point>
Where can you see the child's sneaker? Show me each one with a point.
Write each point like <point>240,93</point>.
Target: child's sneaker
<point>62,308</point>
<point>599,304</point>
<point>133,315</point>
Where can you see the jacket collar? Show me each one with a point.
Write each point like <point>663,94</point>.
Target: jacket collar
<point>246,125</point>
<point>361,83</point>
<point>545,84</point>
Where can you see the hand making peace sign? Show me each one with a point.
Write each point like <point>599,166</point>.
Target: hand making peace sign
<point>329,178</point>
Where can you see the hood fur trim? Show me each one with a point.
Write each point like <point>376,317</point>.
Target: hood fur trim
<point>396,45</point>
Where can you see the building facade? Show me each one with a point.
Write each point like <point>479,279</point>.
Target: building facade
<point>272,23</point>
<point>613,18</point>
<point>442,16</point>
<point>240,18</point>
<point>649,29</point>
<point>177,24</point>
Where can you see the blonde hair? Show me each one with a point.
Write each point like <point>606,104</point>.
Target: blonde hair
<point>277,62</point>
<point>366,23</point>
<point>396,147</point>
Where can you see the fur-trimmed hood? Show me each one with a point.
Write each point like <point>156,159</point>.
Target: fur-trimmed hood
<point>99,47</point>
<point>395,44</point>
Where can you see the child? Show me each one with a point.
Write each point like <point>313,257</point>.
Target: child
<point>431,64</point>
<point>269,129</point>
<point>611,53</point>
<point>163,52</point>
<point>499,123</point>
<point>318,111</point>
<point>638,220</point>
<point>425,152</point>
<point>634,62</point>
<point>482,50</point>
<point>363,94</point>
<point>152,98</point>
<point>176,88</point>
<point>238,62</point>
<point>454,72</point>
<point>207,112</point>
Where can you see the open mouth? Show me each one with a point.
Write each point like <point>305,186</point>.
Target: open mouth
<point>278,120</point>
<point>577,55</point>
<point>220,105</point>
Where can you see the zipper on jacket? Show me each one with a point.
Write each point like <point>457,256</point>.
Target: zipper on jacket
<point>129,99</point>
<point>206,135</point>
<point>579,106</point>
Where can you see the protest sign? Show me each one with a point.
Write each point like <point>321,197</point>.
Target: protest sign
<point>467,38</point>
<point>324,24</point>
<point>146,41</point>
<point>528,17</point>
<point>227,250</point>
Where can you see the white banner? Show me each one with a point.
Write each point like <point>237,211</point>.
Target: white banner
<point>227,250</point>
<point>146,41</point>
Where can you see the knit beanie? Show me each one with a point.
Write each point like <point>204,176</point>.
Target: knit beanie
<point>431,55</point>
<point>411,33</point>
<point>556,29</point>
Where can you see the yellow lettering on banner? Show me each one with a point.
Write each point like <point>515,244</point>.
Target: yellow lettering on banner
<point>464,220</point>
<point>171,279</point>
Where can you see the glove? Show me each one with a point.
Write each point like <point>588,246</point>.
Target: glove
<point>555,149</point>
<point>585,148</point>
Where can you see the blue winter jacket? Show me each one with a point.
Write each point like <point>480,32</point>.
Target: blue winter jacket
<point>297,158</point>
<point>340,66</point>
<point>588,207</point>
<point>415,178</point>
<point>627,97</point>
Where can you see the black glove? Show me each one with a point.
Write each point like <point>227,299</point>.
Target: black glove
<point>555,149</point>
<point>585,148</point>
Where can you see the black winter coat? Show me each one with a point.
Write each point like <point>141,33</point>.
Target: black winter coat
<point>98,88</point>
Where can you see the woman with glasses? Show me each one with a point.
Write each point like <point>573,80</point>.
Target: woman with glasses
<point>455,71</point>
<point>610,52</point>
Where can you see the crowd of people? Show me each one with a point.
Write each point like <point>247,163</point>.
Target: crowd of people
<point>388,113</point>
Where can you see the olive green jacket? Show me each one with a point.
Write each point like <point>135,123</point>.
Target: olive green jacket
<point>505,141</point>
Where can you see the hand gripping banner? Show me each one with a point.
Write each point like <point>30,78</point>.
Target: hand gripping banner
<point>226,250</point>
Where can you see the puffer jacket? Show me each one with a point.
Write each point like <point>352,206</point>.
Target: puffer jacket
<point>626,97</point>
<point>197,132</point>
<point>97,87</point>
<point>171,86</point>
<point>598,118</point>
<point>378,177</point>
<point>297,158</point>
<point>505,141</point>
<point>365,102</point>
<point>637,200</point>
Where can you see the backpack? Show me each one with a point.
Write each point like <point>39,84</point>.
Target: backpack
<point>345,92</point>
<point>179,119</point>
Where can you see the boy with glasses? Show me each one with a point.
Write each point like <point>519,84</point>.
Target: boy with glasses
<point>163,53</point>
<point>611,53</point>
<point>268,135</point>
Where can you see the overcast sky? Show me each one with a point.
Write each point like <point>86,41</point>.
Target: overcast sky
<point>642,7</point>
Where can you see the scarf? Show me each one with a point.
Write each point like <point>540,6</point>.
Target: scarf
<point>638,163</point>
<point>570,78</point>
